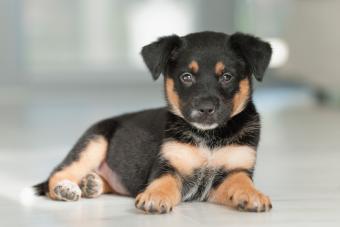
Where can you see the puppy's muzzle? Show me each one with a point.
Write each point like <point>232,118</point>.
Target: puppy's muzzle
<point>204,109</point>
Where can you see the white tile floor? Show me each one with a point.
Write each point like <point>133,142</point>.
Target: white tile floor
<point>298,166</point>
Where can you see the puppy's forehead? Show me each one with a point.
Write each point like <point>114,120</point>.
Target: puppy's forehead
<point>207,59</point>
<point>206,39</point>
<point>207,51</point>
<point>205,45</point>
<point>202,56</point>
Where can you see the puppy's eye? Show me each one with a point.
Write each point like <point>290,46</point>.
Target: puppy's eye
<point>226,77</point>
<point>187,78</point>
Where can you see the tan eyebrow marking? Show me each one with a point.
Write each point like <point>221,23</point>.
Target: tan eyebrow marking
<point>219,68</point>
<point>193,66</point>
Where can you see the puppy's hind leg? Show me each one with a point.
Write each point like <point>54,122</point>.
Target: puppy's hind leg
<point>88,154</point>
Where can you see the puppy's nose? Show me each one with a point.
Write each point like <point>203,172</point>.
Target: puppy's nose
<point>206,109</point>
<point>205,106</point>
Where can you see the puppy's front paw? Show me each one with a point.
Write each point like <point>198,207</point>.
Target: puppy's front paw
<point>154,202</point>
<point>67,190</point>
<point>249,199</point>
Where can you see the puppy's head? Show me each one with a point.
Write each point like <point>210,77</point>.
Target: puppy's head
<point>207,75</point>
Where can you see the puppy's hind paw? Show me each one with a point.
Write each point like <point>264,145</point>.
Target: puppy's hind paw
<point>67,190</point>
<point>91,186</point>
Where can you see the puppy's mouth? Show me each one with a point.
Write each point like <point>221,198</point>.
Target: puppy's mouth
<point>204,126</point>
<point>202,122</point>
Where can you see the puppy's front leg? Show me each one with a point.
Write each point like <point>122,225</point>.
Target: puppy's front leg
<point>238,191</point>
<point>161,195</point>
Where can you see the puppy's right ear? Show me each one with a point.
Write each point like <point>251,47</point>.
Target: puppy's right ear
<point>157,54</point>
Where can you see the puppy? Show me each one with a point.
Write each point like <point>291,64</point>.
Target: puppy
<point>202,146</point>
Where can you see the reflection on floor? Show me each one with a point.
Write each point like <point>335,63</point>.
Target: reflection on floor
<point>298,162</point>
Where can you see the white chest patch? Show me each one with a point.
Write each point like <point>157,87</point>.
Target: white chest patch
<point>186,158</point>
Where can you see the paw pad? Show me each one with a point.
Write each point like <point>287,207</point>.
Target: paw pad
<point>67,190</point>
<point>91,186</point>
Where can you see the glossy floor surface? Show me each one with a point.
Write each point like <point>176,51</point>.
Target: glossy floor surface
<point>298,163</point>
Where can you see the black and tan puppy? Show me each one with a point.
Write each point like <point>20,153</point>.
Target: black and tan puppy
<point>202,146</point>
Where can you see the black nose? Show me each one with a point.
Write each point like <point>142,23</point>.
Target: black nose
<point>206,109</point>
<point>205,106</point>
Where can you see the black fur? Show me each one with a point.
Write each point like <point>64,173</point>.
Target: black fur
<point>255,52</point>
<point>157,54</point>
<point>135,139</point>
<point>41,188</point>
<point>243,129</point>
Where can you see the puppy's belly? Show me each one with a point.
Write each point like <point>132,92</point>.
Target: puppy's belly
<point>112,178</point>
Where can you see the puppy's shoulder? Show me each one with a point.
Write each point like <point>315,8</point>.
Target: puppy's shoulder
<point>147,117</point>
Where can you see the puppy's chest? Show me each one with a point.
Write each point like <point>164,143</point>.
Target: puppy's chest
<point>186,158</point>
<point>201,166</point>
<point>203,157</point>
<point>198,167</point>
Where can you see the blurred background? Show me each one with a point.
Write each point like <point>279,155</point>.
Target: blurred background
<point>63,61</point>
<point>65,64</point>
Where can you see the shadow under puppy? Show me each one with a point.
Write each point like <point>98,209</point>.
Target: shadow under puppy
<point>202,146</point>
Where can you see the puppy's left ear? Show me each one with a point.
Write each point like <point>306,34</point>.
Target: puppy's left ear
<point>157,54</point>
<point>254,51</point>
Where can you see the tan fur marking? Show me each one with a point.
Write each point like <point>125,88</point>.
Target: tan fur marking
<point>233,157</point>
<point>161,195</point>
<point>238,191</point>
<point>241,97</point>
<point>219,68</point>
<point>184,157</point>
<point>172,96</point>
<point>193,66</point>
<point>90,158</point>
<point>106,187</point>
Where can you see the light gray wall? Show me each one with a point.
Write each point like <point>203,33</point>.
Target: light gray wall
<point>310,28</point>
<point>313,35</point>
<point>10,34</point>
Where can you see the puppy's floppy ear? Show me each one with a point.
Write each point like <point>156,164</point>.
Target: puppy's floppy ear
<point>157,54</point>
<point>254,51</point>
